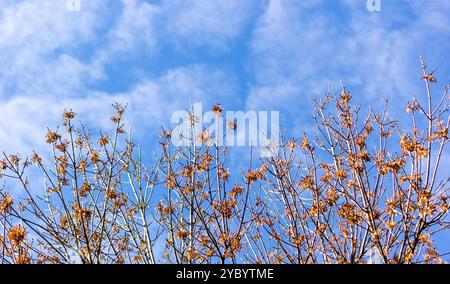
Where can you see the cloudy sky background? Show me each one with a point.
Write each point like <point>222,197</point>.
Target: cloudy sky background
<point>248,55</point>
<point>157,56</point>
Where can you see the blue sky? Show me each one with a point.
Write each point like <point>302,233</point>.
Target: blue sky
<point>248,55</point>
<point>157,56</point>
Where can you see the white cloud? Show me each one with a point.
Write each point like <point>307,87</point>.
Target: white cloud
<point>34,33</point>
<point>210,23</point>
<point>24,119</point>
<point>42,72</point>
<point>133,30</point>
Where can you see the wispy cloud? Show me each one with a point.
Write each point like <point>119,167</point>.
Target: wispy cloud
<point>51,58</point>
<point>298,50</point>
<point>212,24</point>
